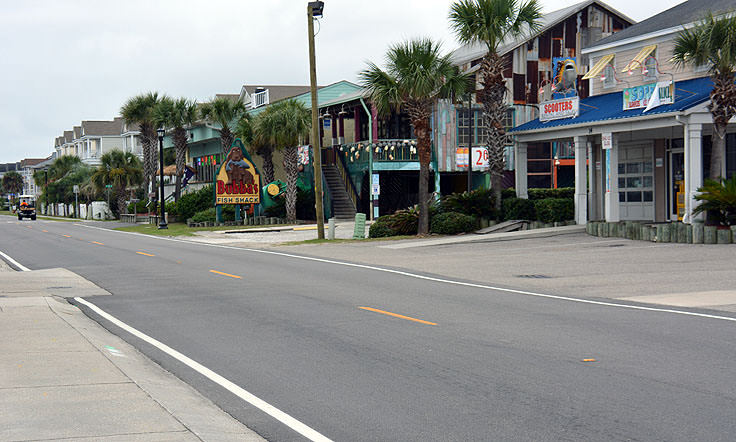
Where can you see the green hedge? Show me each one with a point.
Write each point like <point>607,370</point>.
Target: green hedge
<point>479,202</point>
<point>380,230</point>
<point>450,223</point>
<point>519,208</point>
<point>552,210</point>
<point>562,192</point>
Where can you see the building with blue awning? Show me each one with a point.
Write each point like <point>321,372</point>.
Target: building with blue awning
<point>642,139</point>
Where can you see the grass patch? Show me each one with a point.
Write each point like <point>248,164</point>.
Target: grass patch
<point>181,229</point>
<point>343,240</point>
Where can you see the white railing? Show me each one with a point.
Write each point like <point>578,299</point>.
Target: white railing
<point>259,99</point>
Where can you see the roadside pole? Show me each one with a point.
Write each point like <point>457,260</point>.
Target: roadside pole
<point>312,8</point>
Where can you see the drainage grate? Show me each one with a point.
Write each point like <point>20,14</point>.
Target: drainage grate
<point>533,276</point>
<point>616,245</point>
<point>56,288</point>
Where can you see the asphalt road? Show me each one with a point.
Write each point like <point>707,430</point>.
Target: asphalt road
<point>485,365</point>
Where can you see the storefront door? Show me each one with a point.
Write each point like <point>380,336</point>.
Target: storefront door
<point>677,185</point>
<point>636,182</point>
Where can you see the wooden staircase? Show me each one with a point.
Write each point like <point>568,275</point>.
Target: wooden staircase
<point>341,202</point>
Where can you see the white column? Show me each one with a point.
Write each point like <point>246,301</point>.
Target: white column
<point>592,180</point>
<point>693,167</point>
<point>611,190</point>
<point>520,173</point>
<point>581,180</point>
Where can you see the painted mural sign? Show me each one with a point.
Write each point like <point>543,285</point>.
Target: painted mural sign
<point>237,180</point>
<point>557,109</point>
<point>638,97</point>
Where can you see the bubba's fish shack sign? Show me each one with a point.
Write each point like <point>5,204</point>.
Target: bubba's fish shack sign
<point>557,109</point>
<point>237,180</point>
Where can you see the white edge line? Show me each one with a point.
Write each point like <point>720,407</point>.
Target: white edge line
<point>262,405</point>
<point>15,263</point>
<point>435,279</point>
<point>430,278</point>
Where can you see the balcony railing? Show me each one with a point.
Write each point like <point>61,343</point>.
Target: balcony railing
<point>382,149</point>
<point>259,99</point>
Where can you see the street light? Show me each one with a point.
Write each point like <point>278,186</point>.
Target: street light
<point>162,219</point>
<point>314,9</point>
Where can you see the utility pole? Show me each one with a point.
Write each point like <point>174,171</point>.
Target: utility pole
<point>315,9</point>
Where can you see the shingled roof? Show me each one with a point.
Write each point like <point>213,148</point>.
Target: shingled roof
<point>278,92</point>
<point>93,128</point>
<point>675,17</point>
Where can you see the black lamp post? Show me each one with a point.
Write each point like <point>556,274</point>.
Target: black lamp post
<point>162,219</point>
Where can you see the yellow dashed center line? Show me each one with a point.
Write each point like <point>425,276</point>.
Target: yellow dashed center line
<point>98,243</point>
<point>225,274</point>
<point>67,236</point>
<point>45,231</point>
<point>144,254</point>
<point>396,315</point>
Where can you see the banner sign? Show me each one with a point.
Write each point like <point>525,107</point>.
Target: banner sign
<point>237,181</point>
<point>638,97</point>
<point>480,158</point>
<point>557,109</point>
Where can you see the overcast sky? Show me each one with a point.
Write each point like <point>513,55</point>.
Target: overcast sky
<point>68,61</point>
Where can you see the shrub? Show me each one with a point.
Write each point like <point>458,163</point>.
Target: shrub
<point>508,193</point>
<point>718,200</point>
<point>518,208</point>
<point>207,215</point>
<point>210,215</point>
<point>479,202</point>
<point>450,223</point>
<point>380,230</point>
<point>552,210</point>
<point>140,207</point>
<point>193,202</point>
<point>403,222</point>
<point>562,192</point>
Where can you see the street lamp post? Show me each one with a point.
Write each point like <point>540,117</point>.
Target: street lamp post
<point>470,142</point>
<point>314,9</point>
<point>162,219</point>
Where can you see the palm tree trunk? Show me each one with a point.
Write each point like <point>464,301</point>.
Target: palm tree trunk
<point>267,155</point>
<point>493,97</point>
<point>717,150</point>
<point>291,166</point>
<point>226,138</point>
<point>180,141</point>
<point>424,149</point>
<point>122,207</point>
<point>722,104</point>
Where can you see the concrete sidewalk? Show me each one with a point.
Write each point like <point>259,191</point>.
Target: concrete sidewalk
<point>64,377</point>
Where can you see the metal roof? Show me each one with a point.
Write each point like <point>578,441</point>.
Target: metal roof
<point>604,107</point>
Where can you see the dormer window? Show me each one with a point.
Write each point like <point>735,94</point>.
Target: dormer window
<point>259,98</point>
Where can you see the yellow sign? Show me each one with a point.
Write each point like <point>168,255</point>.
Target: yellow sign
<point>237,179</point>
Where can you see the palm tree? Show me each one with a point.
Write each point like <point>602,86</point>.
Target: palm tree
<point>179,115</point>
<point>713,42</point>
<point>490,22</point>
<point>13,182</point>
<point>62,166</point>
<point>287,124</point>
<point>139,110</point>
<point>121,170</point>
<point>416,76</point>
<point>256,131</point>
<point>225,112</point>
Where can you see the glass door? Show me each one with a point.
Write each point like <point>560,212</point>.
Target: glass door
<point>677,184</point>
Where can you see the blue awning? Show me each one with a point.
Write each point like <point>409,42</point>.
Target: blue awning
<point>688,93</point>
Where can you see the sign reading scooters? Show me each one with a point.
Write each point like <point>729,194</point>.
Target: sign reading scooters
<point>557,109</point>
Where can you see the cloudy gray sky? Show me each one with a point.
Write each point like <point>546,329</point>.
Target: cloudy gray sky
<point>68,61</point>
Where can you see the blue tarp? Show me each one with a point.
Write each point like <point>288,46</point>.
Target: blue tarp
<point>688,93</point>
